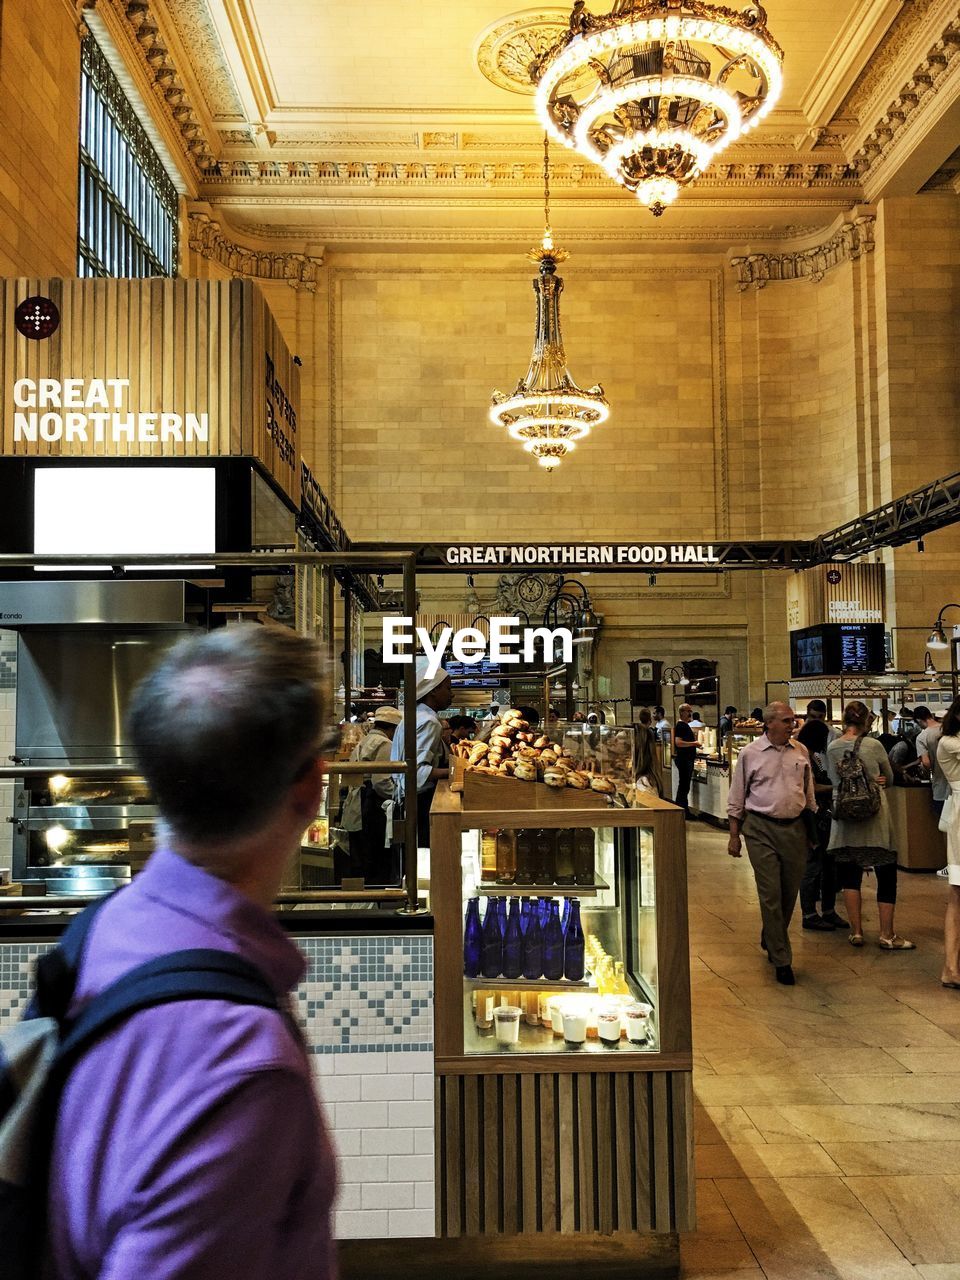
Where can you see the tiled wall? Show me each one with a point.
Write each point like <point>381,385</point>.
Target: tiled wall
<point>367,1010</point>
<point>8,695</point>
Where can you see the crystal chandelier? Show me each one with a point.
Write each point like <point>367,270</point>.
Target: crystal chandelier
<point>547,411</point>
<point>654,89</point>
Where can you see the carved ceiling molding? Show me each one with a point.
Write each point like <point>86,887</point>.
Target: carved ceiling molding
<point>878,79</point>
<point>198,34</point>
<point>137,20</point>
<point>507,49</point>
<point>508,237</point>
<point>935,75</point>
<point>244,173</point>
<point>206,237</point>
<point>852,240</point>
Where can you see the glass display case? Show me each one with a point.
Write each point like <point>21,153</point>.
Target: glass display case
<point>559,939</point>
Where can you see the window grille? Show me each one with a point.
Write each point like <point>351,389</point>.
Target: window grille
<point>128,224</point>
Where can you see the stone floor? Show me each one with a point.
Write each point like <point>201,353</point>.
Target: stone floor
<point>828,1114</point>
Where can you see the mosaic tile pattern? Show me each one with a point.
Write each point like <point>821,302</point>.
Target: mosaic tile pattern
<point>361,994</point>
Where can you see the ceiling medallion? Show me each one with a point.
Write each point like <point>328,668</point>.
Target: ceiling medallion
<point>547,411</point>
<point>653,90</point>
<point>507,50</point>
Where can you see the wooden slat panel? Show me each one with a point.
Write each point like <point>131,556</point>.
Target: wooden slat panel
<point>626,1190</point>
<point>585,1152</point>
<point>529,1162</point>
<point>548,1156</point>
<point>509,1141</point>
<point>492,1184</point>
<point>659,1123</point>
<point>681,1085</point>
<point>454,1157</point>
<point>641,1144</point>
<point>605,1146</point>
<point>472,1140</point>
<point>567,1156</point>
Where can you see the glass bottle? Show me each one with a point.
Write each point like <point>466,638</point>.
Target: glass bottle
<point>526,910</point>
<point>573,944</point>
<point>565,865</point>
<point>533,948</point>
<point>525,857</point>
<point>553,944</point>
<point>543,912</point>
<point>506,857</point>
<point>472,939</point>
<point>620,987</point>
<point>545,857</point>
<point>502,915</point>
<point>584,856</point>
<point>488,854</point>
<point>513,943</point>
<point>566,914</point>
<point>491,952</point>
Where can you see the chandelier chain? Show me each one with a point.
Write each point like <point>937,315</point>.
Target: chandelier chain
<point>546,183</point>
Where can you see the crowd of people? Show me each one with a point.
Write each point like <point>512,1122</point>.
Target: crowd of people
<point>810,803</point>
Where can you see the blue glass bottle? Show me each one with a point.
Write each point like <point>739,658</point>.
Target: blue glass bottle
<point>543,911</point>
<point>533,948</point>
<point>491,953</point>
<point>526,908</point>
<point>553,944</point>
<point>472,939</point>
<point>566,916</point>
<point>573,950</point>
<point>513,943</point>
<point>502,915</point>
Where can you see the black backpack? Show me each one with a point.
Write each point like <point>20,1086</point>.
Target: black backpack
<point>38,1053</point>
<point>858,796</point>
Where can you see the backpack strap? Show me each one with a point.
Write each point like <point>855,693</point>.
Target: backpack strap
<point>197,974</point>
<point>57,970</point>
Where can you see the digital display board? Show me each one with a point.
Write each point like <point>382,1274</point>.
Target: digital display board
<point>838,648</point>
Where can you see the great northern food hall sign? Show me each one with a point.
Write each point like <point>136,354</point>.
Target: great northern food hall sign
<point>530,555</point>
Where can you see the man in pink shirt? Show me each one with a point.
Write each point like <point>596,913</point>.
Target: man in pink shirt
<point>189,1144</point>
<point>771,788</point>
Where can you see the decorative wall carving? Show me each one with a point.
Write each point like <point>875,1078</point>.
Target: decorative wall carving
<point>507,50</point>
<point>882,66</point>
<point>852,240</point>
<point>206,237</point>
<point>198,33</point>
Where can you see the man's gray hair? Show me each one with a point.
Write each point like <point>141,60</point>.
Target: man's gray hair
<point>771,711</point>
<point>224,724</point>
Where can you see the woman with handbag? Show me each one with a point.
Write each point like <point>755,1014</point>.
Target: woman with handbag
<point>948,758</point>
<point>862,835</point>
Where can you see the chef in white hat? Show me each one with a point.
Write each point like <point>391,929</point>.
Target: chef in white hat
<point>434,693</point>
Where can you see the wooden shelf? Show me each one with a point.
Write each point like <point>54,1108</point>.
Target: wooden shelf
<point>527,984</point>
<point>490,889</point>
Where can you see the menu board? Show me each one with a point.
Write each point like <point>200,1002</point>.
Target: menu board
<point>854,649</point>
<point>474,675</point>
<point>834,649</point>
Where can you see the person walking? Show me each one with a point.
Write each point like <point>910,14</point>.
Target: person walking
<point>684,756</point>
<point>188,1141</point>
<point>948,760</point>
<point>772,787</point>
<point>819,883</point>
<point>867,842</point>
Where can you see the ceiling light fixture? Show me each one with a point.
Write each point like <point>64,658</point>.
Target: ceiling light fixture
<point>547,411</point>
<point>653,90</point>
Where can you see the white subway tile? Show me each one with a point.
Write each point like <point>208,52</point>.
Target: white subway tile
<point>364,1224</point>
<point>414,1114</point>
<point>387,1142</point>
<point>389,1087</point>
<point>412,1222</point>
<point>423,1088</point>
<point>339,1088</point>
<point>423,1142</point>
<point>387,1195</point>
<point>411,1063</point>
<point>359,1064</point>
<point>368,1169</point>
<point>411,1168</point>
<point>348,1196</point>
<point>424,1196</point>
<point>364,1115</point>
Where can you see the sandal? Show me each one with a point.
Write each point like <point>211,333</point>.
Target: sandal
<point>896,943</point>
<point>856,939</point>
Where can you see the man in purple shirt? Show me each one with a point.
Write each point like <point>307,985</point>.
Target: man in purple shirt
<point>189,1143</point>
<point>772,787</point>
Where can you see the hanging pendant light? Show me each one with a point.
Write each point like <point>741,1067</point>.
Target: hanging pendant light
<point>654,89</point>
<point>547,411</point>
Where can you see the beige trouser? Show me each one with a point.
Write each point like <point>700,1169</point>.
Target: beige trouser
<point>778,855</point>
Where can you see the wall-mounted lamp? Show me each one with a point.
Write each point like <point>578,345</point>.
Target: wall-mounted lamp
<point>937,638</point>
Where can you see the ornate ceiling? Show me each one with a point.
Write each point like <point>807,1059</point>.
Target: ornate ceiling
<point>334,124</point>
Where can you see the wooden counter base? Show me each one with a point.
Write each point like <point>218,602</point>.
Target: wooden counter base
<point>630,1256</point>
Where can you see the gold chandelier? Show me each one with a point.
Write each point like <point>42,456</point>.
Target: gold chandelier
<point>654,89</point>
<point>547,411</point>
